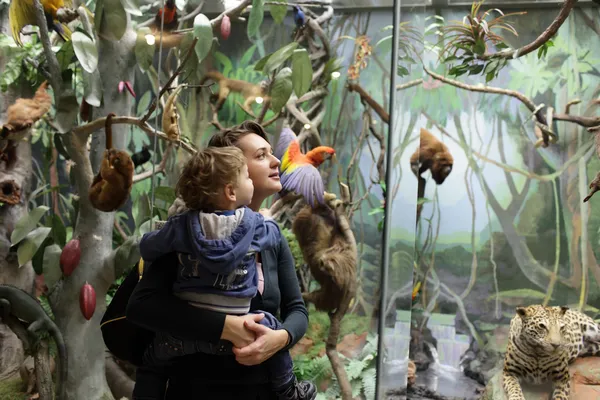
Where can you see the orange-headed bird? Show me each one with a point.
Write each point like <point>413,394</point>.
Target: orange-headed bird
<point>298,172</point>
<point>171,17</point>
<point>22,13</point>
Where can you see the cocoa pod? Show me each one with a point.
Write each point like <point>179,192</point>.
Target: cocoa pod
<point>225,27</point>
<point>87,301</point>
<point>70,256</point>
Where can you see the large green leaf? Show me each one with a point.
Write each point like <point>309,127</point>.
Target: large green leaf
<point>131,7</point>
<point>51,265</point>
<point>282,89</point>
<point>59,232</point>
<point>85,50</point>
<point>144,52</point>
<point>276,59</point>
<point>302,71</point>
<point>27,223</point>
<point>98,14</point>
<point>31,243</point>
<point>166,194</point>
<point>92,88</point>
<point>65,55</point>
<point>114,22</point>
<point>256,17</point>
<point>203,32</point>
<point>66,112</point>
<point>278,11</point>
<point>127,254</point>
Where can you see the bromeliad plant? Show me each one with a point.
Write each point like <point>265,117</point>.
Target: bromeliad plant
<point>469,42</point>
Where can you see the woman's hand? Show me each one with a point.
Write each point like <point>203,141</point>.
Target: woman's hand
<point>267,343</point>
<point>236,332</point>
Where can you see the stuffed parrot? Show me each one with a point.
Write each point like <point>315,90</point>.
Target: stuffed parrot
<point>299,17</point>
<point>171,17</point>
<point>22,13</point>
<point>298,172</point>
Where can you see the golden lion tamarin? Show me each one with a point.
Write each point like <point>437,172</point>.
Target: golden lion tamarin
<point>250,91</point>
<point>329,249</point>
<point>111,186</point>
<point>433,155</point>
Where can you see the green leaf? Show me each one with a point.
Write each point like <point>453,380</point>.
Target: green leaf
<point>255,19</point>
<point>128,253</point>
<point>51,265</point>
<point>166,194</point>
<point>203,32</point>
<point>85,50</point>
<point>59,232</point>
<point>302,71</point>
<point>144,103</point>
<point>114,22</point>
<point>27,223</point>
<point>92,88</point>
<point>131,7</point>
<point>31,243</point>
<point>262,62</point>
<point>476,69</point>
<point>278,58</point>
<point>278,11</point>
<point>144,52</point>
<point>11,72</point>
<point>479,47</point>
<point>489,76</point>
<point>98,14</point>
<point>282,89</point>
<point>386,44</point>
<point>65,55</point>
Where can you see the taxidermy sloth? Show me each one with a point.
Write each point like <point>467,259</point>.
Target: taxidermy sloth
<point>250,91</point>
<point>329,248</point>
<point>433,155</point>
<point>25,112</point>
<point>111,186</point>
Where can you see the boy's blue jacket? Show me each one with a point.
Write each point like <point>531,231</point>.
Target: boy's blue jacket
<point>220,266</point>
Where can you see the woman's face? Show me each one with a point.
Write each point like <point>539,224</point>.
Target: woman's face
<point>263,166</point>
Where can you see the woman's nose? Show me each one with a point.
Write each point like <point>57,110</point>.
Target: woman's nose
<point>274,161</point>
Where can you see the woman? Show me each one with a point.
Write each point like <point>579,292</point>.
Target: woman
<point>204,376</point>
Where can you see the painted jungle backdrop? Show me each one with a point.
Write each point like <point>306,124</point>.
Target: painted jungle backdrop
<point>327,76</point>
<point>509,225</point>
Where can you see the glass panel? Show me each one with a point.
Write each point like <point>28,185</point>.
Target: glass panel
<point>508,227</point>
<point>409,99</point>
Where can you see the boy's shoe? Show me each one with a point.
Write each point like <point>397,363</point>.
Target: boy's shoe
<point>305,390</point>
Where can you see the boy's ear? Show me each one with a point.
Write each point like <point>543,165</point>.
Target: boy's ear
<point>230,192</point>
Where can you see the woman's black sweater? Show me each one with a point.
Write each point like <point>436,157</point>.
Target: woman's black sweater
<point>153,306</point>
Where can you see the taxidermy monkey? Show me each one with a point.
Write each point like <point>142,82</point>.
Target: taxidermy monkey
<point>250,91</point>
<point>25,112</point>
<point>170,117</point>
<point>432,155</point>
<point>21,116</point>
<point>329,248</point>
<point>111,186</point>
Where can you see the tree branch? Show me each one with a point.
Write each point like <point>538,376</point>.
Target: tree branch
<point>409,84</point>
<point>537,43</point>
<point>541,121</point>
<point>85,130</point>
<point>364,96</point>
<point>53,65</point>
<point>160,169</point>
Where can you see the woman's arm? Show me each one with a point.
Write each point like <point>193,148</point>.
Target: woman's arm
<point>293,313</point>
<point>153,306</point>
<point>293,310</point>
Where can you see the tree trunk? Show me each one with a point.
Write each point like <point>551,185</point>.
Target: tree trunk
<point>11,349</point>
<point>85,348</point>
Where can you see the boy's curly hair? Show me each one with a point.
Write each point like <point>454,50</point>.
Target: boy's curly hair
<point>205,175</point>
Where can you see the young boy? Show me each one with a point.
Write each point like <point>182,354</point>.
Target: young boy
<point>217,240</point>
